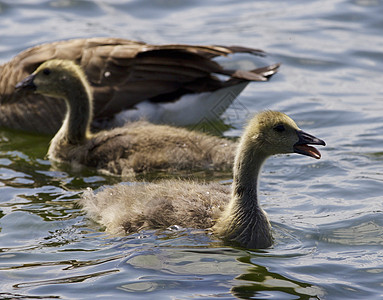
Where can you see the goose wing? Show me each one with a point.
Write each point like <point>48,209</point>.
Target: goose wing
<point>122,73</point>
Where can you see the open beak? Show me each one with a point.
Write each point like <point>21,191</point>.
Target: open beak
<point>302,146</point>
<point>27,83</point>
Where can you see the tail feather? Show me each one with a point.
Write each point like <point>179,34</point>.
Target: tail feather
<point>259,74</point>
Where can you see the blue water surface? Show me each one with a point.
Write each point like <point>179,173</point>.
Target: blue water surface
<point>326,214</point>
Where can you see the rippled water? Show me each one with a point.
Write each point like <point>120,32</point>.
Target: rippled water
<point>326,214</point>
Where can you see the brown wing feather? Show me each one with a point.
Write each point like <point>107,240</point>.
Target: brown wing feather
<point>122,73</point>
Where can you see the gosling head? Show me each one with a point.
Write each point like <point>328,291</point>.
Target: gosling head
<point>55,78</point>
<point>273,132</point>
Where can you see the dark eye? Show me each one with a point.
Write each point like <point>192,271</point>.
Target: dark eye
<point>279,128</point>
<point>46,71</point>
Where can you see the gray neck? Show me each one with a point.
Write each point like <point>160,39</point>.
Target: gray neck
<point>75,128</point>
<point>244,203</point>
<point>244,220</point>
<point>247,168</point>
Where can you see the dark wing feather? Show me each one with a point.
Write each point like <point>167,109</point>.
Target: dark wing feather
<point>122,73</point>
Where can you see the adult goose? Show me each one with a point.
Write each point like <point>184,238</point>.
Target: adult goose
<point>141,146</point>
<point>172,84</point>
<point>234,216</point>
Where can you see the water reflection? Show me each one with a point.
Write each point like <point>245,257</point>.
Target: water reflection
<point>366,230</point>
<point>178,268</point>
<point>64,280</point>
<point>262,284</point>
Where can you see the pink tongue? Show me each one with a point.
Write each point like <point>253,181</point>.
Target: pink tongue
<point>311,151</point>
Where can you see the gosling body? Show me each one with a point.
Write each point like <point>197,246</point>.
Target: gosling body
<point>233,214</point>
<point>138,147</point>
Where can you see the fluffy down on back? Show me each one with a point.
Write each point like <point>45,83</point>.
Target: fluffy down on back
<point>144,147</point>
<point>171,202</point>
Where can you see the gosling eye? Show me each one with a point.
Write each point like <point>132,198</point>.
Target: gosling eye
<point>46,71</point>
<point>279,128</point>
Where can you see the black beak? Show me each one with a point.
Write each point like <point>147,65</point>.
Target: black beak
<point>27,83</point>
<point>302,146</point>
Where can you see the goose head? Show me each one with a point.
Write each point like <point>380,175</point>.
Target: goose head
<point>54,78</point>
<point>273,132</point>
<point>65,80</point>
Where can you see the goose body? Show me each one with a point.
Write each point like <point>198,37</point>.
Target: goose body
<point>138,147</point>
<point>233,214</point>
<point>129,80</point>
<point>188,109</point>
